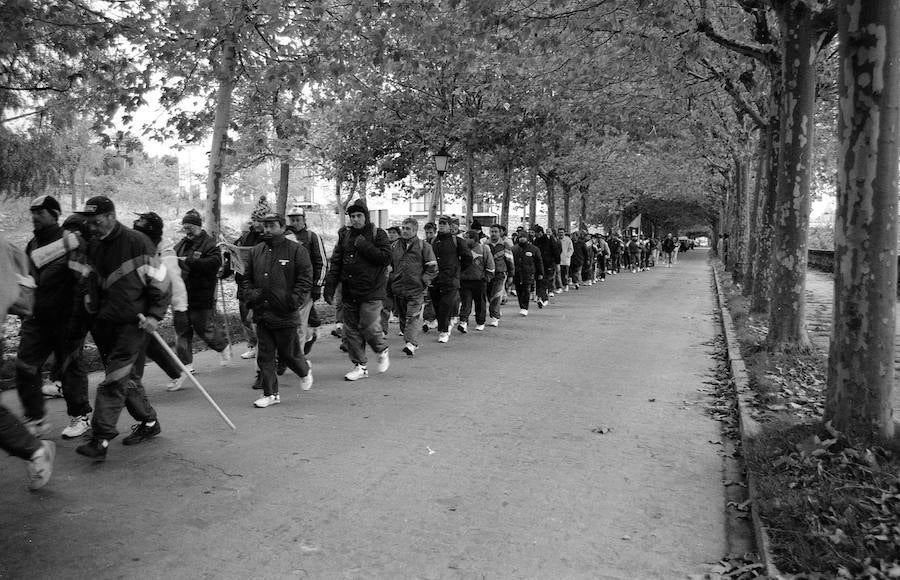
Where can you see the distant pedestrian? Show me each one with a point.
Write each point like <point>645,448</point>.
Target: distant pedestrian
<point>452,257</point>
<point>413,267</point>
<point>565,257</point>
<point>473,281</point>
<point>312,243</point>
<point>359,265</point>
<point>504,268</point>
<point>668,248</point>
<point>529,268</point>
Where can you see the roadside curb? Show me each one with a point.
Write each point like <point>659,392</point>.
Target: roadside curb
<point>748,426</point>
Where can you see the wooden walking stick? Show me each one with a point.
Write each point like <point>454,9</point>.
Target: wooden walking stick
<point>185,370</point>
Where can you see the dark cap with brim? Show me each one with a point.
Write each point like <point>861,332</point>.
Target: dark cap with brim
<point>97,205</point>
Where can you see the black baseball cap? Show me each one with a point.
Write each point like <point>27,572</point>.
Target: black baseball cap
<point>47,202</point>
<point>97,205</point>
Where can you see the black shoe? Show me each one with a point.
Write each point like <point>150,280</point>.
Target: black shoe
<point>309,344</point>
<point>257,383</point>
<point>540,303</point>
<point>336,332</point>
<point>94,448</point>
<point>141,432</point>
<point>343,348</point>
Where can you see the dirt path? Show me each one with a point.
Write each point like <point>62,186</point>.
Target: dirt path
<point>476,459</point>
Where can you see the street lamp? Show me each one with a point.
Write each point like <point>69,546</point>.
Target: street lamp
<point>441,161</point>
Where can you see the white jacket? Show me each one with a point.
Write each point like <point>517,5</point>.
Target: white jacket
<point>565,257</point>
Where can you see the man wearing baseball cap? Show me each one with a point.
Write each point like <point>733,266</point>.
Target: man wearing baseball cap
<point>311,241</point>
<point>56,325</point>
<point>128,294</point>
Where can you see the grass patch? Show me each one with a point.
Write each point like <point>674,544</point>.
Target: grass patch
<point>831,504</point>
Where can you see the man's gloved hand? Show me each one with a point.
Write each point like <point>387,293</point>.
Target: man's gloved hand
<point>148,324</point>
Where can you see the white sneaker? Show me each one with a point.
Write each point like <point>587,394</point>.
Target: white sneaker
<point>432,324</point>
<point>225,356</point>
<point>551,294</point>
<point>463,327</point>
<point>443,337</point>
<point>40,466</point>
<point>38,427</point>
<point>523,312</point>
<point>479,327</point>
<point>52,390</point>
<point>454,321</point>
<point>190,368</point>
<point>176,384</point>
<point>307,381</point>
<point>251,353</point>
<point>358,372</point>
<point>265,401</point>
<point>393,320</point>
<point>383,362</point>
<point>410,349</point>
<point>494,321</point>
<point>78,426</point>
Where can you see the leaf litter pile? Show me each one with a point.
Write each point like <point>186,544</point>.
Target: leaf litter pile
<point>831,505</point>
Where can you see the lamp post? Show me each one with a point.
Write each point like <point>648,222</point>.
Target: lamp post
<point>441,160</point>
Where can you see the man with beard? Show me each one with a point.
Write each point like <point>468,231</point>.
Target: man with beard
<point>56,325</point>
<point>277,281</point>
<point>199,259</point>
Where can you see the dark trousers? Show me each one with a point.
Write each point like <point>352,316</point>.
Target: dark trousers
<point>15,439</point>
<point>201,322</point>
<point>564,273</point>
<point>249,331</point>
<point>523,293</point>
<point>495,294</point>
<point>545,286</point>
<point>37,340</point>
<point>472,291</point>
<point>444,301</point>
<point>122,349</point>
<point>163,360</point>
<point>284,342</point>
<point>601,266</point>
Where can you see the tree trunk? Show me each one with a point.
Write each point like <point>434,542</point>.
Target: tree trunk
<point>470,186</point>
<point>281,196</point>
<point>532,205</point>
<point>567,203</point>
<point>73,189</point>
<point>550,182</point>
<point>339,202</point>
<point>582,220</point>
<point>226,71</point>
<point>507,194</point>
<point>436,200</point>
<point>753,215</point>
<point>363,186</point>
<point>765,230</point>
<point>861,357</point>
<point>787,314</point>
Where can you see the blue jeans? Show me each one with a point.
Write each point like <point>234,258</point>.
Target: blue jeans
<point>362,326</point>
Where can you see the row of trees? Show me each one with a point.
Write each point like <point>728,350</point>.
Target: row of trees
<point>697,113</point>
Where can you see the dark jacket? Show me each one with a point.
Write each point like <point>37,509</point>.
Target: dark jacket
<point>198,269</point>
<point>482,266</point>
<point>126,278</point>
<point>359,262</point>
<point>550,249</point>
<point>277,282</point>
<point>452,257</point>
<point>668,245</point>
<point>579,255</point>
<point>503,258</point>
<point>529,263</point>
<point>413,267</point>
<point>313,244</point>
<point>56,296</point>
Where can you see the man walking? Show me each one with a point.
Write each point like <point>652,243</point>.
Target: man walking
<point>248,239</point>
<point>668,247</point>
<point>312,243</point>
<point>528,270</point>
<point>549,252</point>
<point>359,264</point>
<point>473,282</point>
<point>57,324</point>
<point>504,268</point>
<point>565,257</point>
<point>452,257</point>
<point>277,281</point>
<point>199,259</point>
<point>128,294</point>
<point>413,267</point>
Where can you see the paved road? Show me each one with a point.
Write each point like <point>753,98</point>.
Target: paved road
<point>476,459</point>
<point>819,308</point>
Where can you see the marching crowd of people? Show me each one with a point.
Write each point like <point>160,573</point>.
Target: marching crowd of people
<point>92,273</point>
